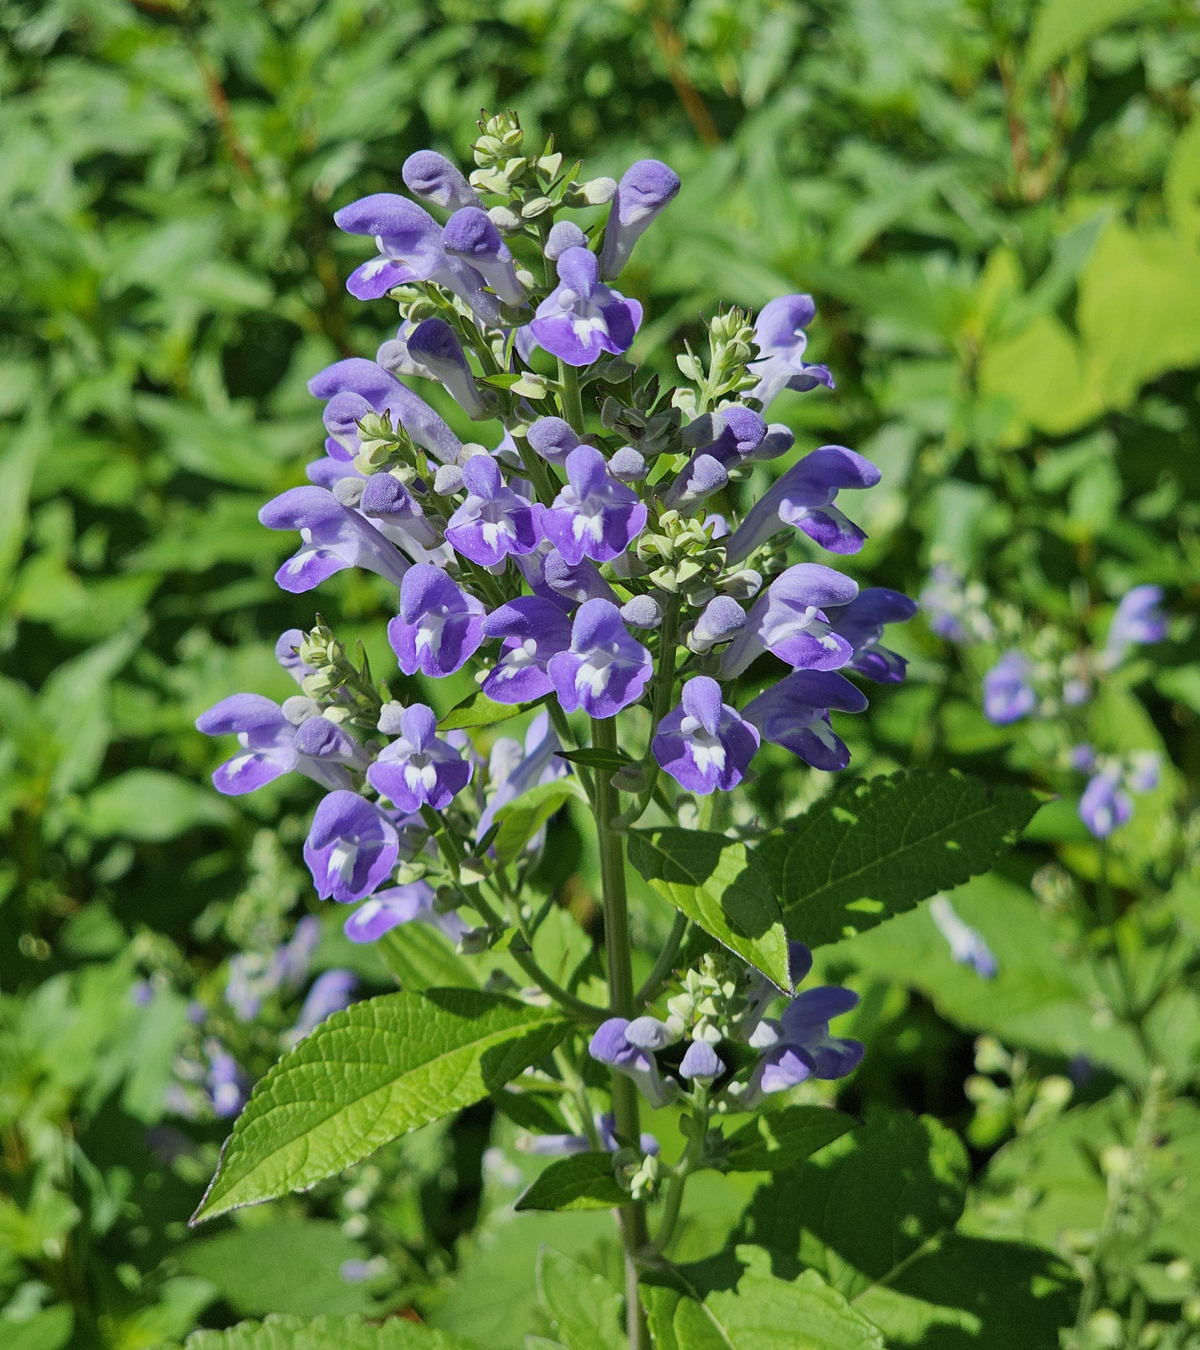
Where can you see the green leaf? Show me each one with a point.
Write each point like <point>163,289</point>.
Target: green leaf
<point>288,1332</point>
<point>477,710</point>
<point>777,1140</point>
<point>583,1308</point>
<point>1063,25</point>
<point>591,758</point>
<point>152,806</point>
<point>46,1330</point>
<point>720,885</point>
<point>422,957</point>
<point>584,1181</point>
<point>283,1267</point>
<point>366,1076</point>
<point>521,819</point>
<point>873,849</point>
<point>866,1204</point>
<point>768,1313</point>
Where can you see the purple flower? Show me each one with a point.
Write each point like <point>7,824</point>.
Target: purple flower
<point>967,945</point>
<point>575,582</point>
<point>434,178</point>
<point>334,537</point>
<point>388,909</point>
<point>582,317</point>
<point>704,744</point>
<point>434,345</point>
<point>439,625</point>
<point>270,747</point>
<point>701,1061</point>
<point>330,993</point>
<point>351,847</point>
<point>564,234</point>
<point>789,619</point>
<point>861,623</point>
<point>470,234</point>
<point>730,435</point>
<point>763,991</point>
<point>1007,695</point>
<point>803,497</point>
<point>795,714</point>
<point>534,629</point>
<point>1138,619</point>
<point>227,1083</point>
<point>513,769</point>
<point>628,1048</point>
<point>557,1145</point>
<point>605,669</point>
<point>799,1045</point>
<point>384,393</point>
<point>418,769</point>
<point>553,439</point>
<point>595,516</point>
<point>777,442</point>
<point>1144,771</point>
<point>493,521</point>
<point>781,342</point>
<point>645,189</point>
<point>723,618</point>
<point>700,478</point>
<point>953,609</point>
<point>396,514</point>
<point>1104,804</point>
<point>410,249</point>
<point>287,653</point>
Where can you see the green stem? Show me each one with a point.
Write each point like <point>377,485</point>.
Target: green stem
<point>572,404</point>
<point>660,705</point>
<point>662,967</point>
<point>538,472</point>
<point>673,1199</point>
<point>634,1232</point>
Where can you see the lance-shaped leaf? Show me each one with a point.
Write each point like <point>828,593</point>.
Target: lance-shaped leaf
<point>368,1075</point>
<point>777,1140</point>
<point>719,884</point>
<point>585,1181</point>
<point>477,710</point>
<point>873,849</point>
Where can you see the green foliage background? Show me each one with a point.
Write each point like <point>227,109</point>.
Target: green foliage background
<point>997,206</point>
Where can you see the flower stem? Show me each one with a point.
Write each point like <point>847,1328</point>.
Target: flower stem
<point>572,404</point>
<point>634,1232</point>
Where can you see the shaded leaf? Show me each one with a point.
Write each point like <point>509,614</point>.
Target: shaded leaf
<point>775,1141</point>
<point>583,1181</point>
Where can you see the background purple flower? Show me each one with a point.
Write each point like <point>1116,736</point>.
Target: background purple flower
<point>581,317</point>
<point>534,629</point>
<point>704,744</point>
<point>594,516</point>
<point>418,769</point>
<point>967,945</point>
<point>351,847</point>
<point>330,993</point>
<point>439,626</point>
<point>1137,620</point>
<point>1007,694</point>
<point>605,668</point>
<point>1105,804</point>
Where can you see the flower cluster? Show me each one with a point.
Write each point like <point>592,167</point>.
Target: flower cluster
<point>577,563</point>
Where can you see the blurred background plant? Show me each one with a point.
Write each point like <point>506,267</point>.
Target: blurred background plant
<point>996,204</point>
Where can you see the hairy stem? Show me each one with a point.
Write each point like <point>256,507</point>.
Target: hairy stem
<point>634,1232</point>
<point>572,404</point>
<point>662,967</point>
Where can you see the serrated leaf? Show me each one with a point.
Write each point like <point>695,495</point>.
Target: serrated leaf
<point>584,1181</point>
<point>584,1308</point>
<point>718,883</point>
<point>777,1140</point>
<point>477,710</point>
<point>522,818</point>
<point>768,1313</point>
<point>284,1331</point>
<point>873,849</point>
<point>592,758</point>
<point>366,1076</point>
